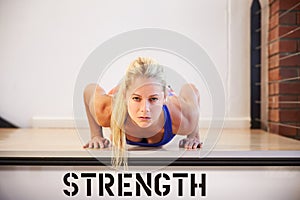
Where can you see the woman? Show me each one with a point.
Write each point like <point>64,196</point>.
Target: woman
<point>141,110</point>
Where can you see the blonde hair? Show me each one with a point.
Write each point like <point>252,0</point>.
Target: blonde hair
<point>141,67</point>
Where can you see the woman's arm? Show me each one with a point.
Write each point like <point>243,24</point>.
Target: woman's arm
<point>98,110</point>
<point>192,140</point>
<point>185,116</point>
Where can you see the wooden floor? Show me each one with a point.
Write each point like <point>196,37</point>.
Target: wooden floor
<point>69,142</point>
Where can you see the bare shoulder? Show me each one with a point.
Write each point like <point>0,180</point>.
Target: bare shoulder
<point>184,115</point>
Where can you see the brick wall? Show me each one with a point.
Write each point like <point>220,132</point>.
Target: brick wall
<point>284,63</point>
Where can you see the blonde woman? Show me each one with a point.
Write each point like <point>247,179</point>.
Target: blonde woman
<point>142,111</point>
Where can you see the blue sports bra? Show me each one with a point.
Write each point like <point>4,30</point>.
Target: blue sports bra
<point>168,134</point>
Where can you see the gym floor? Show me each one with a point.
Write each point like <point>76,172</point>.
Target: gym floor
<point>69,142</point>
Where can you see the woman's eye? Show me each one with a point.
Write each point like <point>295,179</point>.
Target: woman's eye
<point>136,99</point>
<point>154,99</point>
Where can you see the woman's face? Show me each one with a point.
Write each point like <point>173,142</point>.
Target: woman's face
<point>145,100</point>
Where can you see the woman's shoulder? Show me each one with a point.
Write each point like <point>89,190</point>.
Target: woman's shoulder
<point>177,106</point>
<point>182,114</point>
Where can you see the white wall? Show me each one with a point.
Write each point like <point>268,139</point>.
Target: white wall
<point>44,44</point>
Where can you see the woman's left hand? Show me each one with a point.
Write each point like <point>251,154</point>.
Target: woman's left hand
<point>190,143</point>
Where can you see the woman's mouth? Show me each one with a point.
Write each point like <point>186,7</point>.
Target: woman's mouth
<point>144,118</point>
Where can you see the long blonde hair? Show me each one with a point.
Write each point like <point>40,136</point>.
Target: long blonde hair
<point>141,67</point>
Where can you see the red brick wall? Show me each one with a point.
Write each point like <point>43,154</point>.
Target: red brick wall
<point>284,62</point>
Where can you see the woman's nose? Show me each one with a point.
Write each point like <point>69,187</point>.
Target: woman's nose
<point>145,106</point>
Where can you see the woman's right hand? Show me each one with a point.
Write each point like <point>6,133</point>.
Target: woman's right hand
<point>97,142</point>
